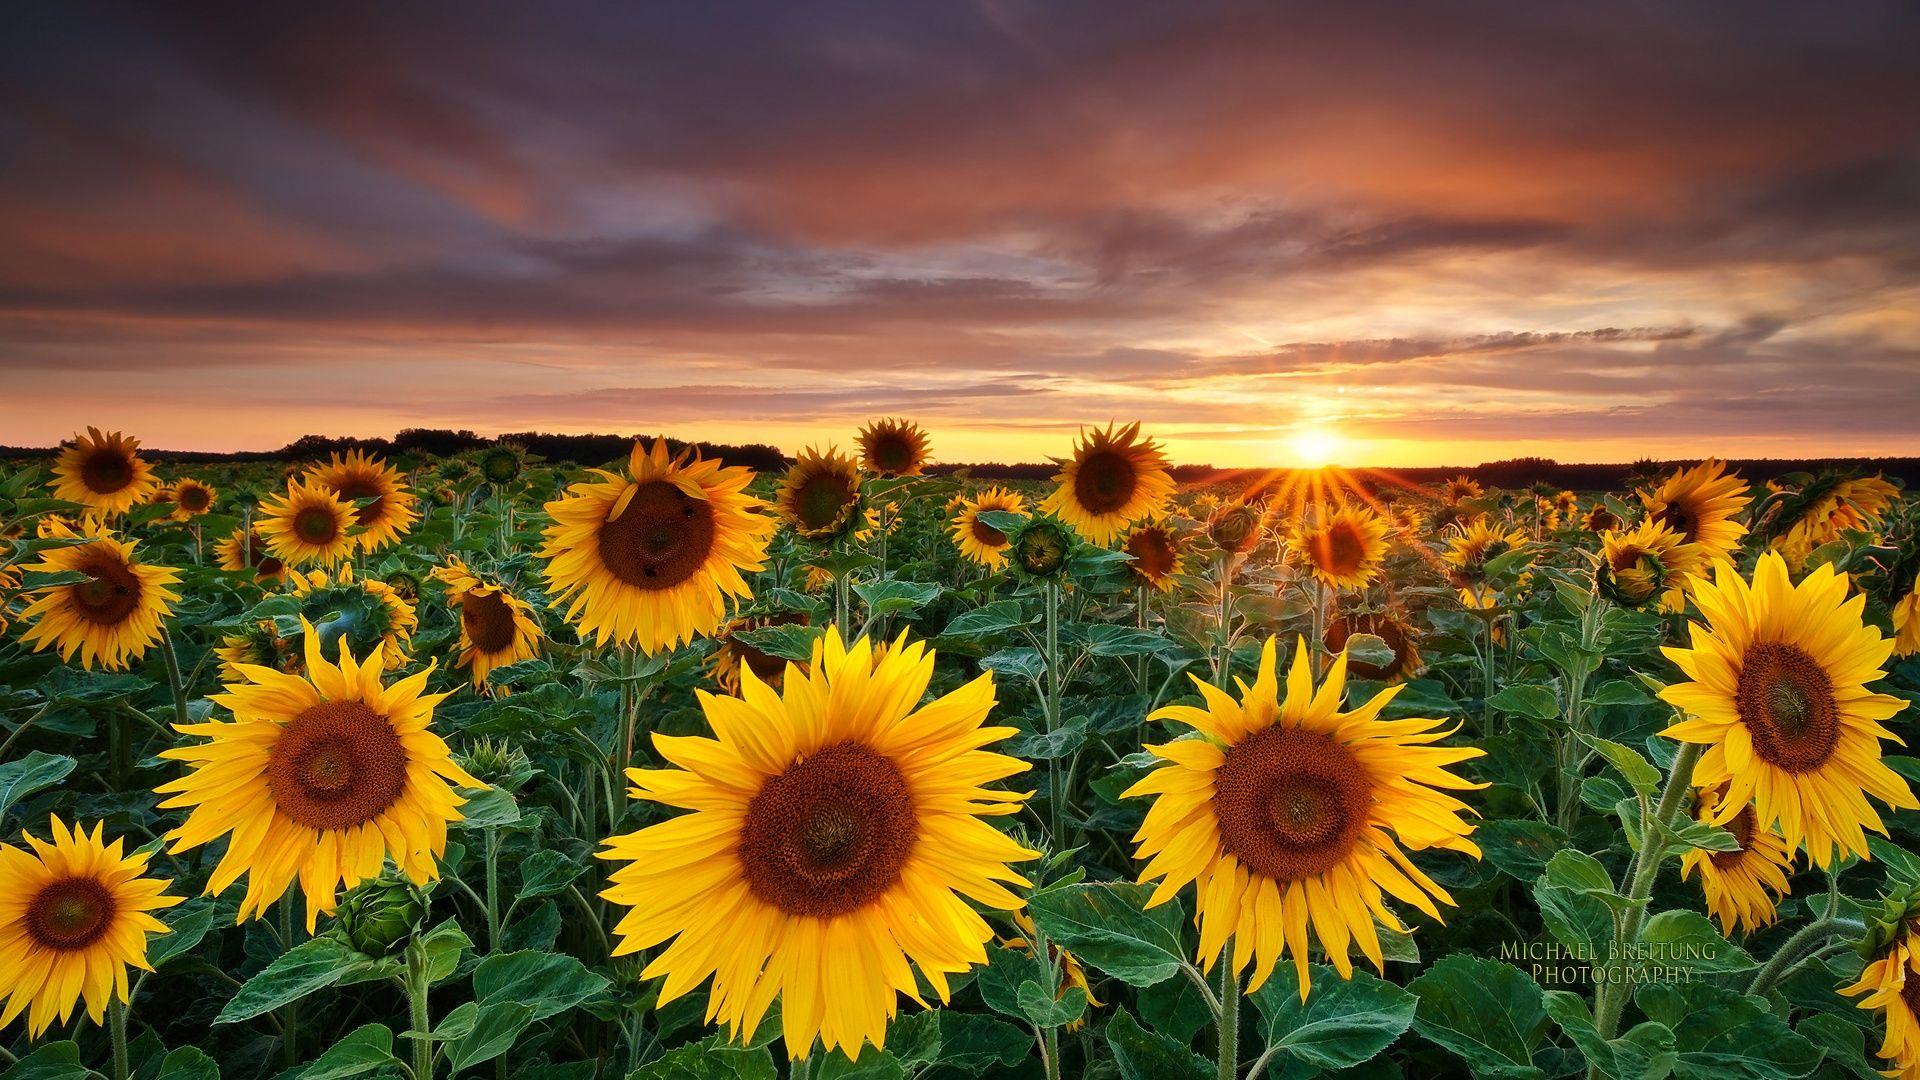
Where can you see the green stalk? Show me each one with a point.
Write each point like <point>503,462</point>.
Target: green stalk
<point>1229,1017</point>
<point>493,890</point>
<point>1050,714</point>
<point>174,682</point>
<point>1609,999</point>
<point>117,1029</point>
<point>1224,662</point>
<point>417,1011</point>
<point>290,1012</point>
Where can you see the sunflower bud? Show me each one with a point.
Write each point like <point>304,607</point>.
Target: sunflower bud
<point>500,465</point>
<point>1235,528</point>
<point>1040,548</point>
<point>405,585</point>
<point>497,762</point>
<point>1632,584</point>
<point>378,918</point>
<point>1893,919</point>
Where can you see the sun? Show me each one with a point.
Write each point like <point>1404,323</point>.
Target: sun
<point>1314,447</point>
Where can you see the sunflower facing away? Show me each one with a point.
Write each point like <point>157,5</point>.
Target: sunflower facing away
<point>237,552</point>
<point>260,645</point>
<point>732,654</point>
<point>497,628</point>
<point>1906,620</point>
<point>307,524</point>
<point>318,778</point>
<point>357,476</point>
<point>1342,548</point>
<point>1291,813</point>
<point>820,496</point>
<point>74,915</point>
<point>1853,502</point>
<point>1114,478</point>
<point>1779,699</point>
<point>1392,628</point>
<point>893,447</point>
<point>979,542</point>
<point>1700,504</point>
<point>1157,549</point>
<point>1636,566</point>
<point>1475,545</point>
<point>363,614</point>
<point>190,498</point>
<point>653,558</point>
<point>1891,981</point>
<point>113,617</point>
<point>837,831</point>
<point>1601,519</point>
<point>104,473</point>
<point>1743,887</point>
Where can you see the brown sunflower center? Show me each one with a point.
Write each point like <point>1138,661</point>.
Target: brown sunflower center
<point>891,452</point>
<point>488,620</point>
<point>336,765</point>
<point>1910,993</point>
<point>355,488</point>
<point>316,525</point>
<point>1291,803</point>
<point>192,498</point>
<point>1741,827</point>
<point>70,914</point>
<point>1339,550</point>
<point>822,500</point>
<point>1152,554</point>
<point>1785,699</point>
<point>661,539</point>
<point>106,471</point>
<point>1674,516</point>
<point>111,592</point>
<point>1104,482</point>
<point>831,834</point>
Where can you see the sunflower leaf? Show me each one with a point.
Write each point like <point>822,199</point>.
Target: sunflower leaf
<point>34,772</point>
<point>1108,926</point>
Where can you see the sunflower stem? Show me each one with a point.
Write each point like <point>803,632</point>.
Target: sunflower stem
<point>493,890</point>
<point>1224,662</point>
<point>1609,999</point>
<point>117,1031</point>
<point>174,682</point>
<point>1229,1018</point>
<point>417,1011</point>
<point>1051,713</point>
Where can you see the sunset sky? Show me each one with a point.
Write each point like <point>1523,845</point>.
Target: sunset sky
<point>1410,234</point>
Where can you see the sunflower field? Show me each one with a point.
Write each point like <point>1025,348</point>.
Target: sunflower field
<point>498,767</point>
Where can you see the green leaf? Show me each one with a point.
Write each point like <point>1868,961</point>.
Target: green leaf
<point>54,1061</point>
<point>977,1044</point>
<point>489,809</point>
<point>549,983</point>
<point>1688,940</point>
<point>1147,1055</point>
<point>1522,699</point>
<point>312,965</point>
<point>189,924</point>
<point>1006,971</point>
<point>1106,639</point>
<point>1107,925</point>
<point>1618,692</point>
<point>1341,1024</point>
<point>1721,1033</point>
<point>1697,834</point>
<point>1004,521</point>
<point>1637,770</point>
<point>1519,847</point>
<point>362,1050</point>
<point>709,1059</point>
<point>443,945</point>
<point>786,641</point>
<point>1644,1053</point>
<point>24,776</point>
<point>872,1065</point>
<point>1487,1013</point>
<point>1845,1043</point>
<point>546,872</point>
<point>1369,649</point>
<point>995,618</point>
<point>188,1063</point>
<point>1023,661</point>
<point>1044,1010</point>
<point>496,1025</point>
<point>895,596</point>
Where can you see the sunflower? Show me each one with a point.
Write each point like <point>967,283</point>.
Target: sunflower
<point>892,448</point>
<point>104,473</point>
<point>1700,504</point>
<point>837,830</point>
<point>653,558</point>
<point>1474,546</point>
<point>1157,549</point>
<point>1854,502</point>
<point>979,542</point>
<point>1459,489</point>
<point>363,614</point>
<point>259,645</point>
<point>190,498</point>
<point>817,578</point>
<point>308,524</point>
<point>1342,547</point>
<point>502,464</point>
<point>318,778</point>
<point>1073,975</point>
<point>1285,814</point>
<point>734,654</point>
<point>74,915</point>
<point>1891,981</point>
<point>9,584</point>
<point>497,628</point>
<point>239,552</point>
<point>1390,627</point>
<point>1778,696</point>
<point>1600,519</point>
<point>1407,522</point>
<point>820,496</point>
<point>357,476</point>
<point>1113,479</point>
<point>1636,566</point>
<point>1906,621</point>
<point>1744,886</point>
<point>1237,528</point>
<point>113,617</point>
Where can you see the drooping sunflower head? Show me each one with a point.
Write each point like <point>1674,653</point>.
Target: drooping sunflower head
<point>502,464</point>
<point>1407,522</point>
<point>1114,478</point>
<point>839,818</point>
<point>1040,547</point>
<point>1290,812</point>
<point>820,496</point>
<point>1701,504</point>
<point>733,653</point>
<point>238,551</point>
<point>259,645</point>
<point>893,447</point>
<point>1342,547</point>
<point>655,557</point>
<point>1158,549</point>
<point>103,472</point>
<point>1891,978</point>
<point>1601,519</point>
<point>1237,528</point>
<point>358,476</point>
<point>1391,627</point>
<point>1459,489</point>
<point>1778,696</point>
<point>1472,547</point>
<point>190,498</point>
<point>309,523</point>
<point>978,541</point>
<point>359,614</point>
<point>1566,504</point>
<point>111,617</point>
<point>1743,887</point>
<point>1906,619</point>
<point>318,778</point>
<point>1827,508</point>
<point>1636,566</point>
<point>75,913</point>
<point>497,628</point>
